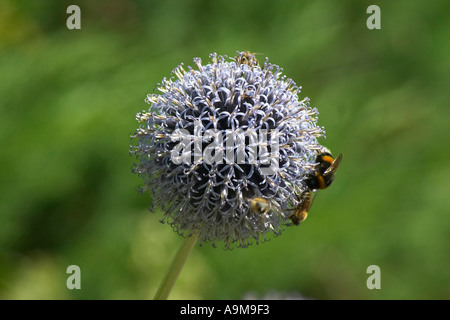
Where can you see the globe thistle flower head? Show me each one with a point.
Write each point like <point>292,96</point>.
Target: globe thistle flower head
<point>225,147</point>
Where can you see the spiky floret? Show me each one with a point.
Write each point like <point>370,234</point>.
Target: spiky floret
<point>218,136</point>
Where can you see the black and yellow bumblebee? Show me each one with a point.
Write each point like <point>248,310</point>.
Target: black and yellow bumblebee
<point>321,179</point>
<point>325,172</point>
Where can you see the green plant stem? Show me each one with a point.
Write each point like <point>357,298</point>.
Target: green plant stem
<point>175,267</point>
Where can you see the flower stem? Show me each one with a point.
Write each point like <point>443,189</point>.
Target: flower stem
<point>175,267</point>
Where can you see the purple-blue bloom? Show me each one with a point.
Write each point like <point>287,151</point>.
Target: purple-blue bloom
<point>218,136</point>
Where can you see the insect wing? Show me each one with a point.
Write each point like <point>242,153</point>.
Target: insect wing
<point>334,166</point>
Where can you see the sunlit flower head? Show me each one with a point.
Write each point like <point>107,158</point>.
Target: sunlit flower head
<point>225,147</point>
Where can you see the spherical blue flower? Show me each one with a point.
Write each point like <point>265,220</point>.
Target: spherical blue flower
<point>225,148</point>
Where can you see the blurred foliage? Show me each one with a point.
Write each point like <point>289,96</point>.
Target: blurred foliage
<point>68,100</point>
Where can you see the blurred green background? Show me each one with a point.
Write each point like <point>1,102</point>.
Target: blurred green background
<point>68,100</point>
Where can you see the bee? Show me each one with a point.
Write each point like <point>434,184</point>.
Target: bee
<point>247,57</point>
<point>322,179</point>
<point>301,211</point>
<point>259,205</point>
<point>325,172</point>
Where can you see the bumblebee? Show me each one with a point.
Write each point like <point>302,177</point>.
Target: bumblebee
<point>259,205</point>
<point>325,172</point>
<point>322,179</point>
<point>247,57</point>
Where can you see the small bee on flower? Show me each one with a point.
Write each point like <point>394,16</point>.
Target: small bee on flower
<point>259,205</point>
<point>246,57</point>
